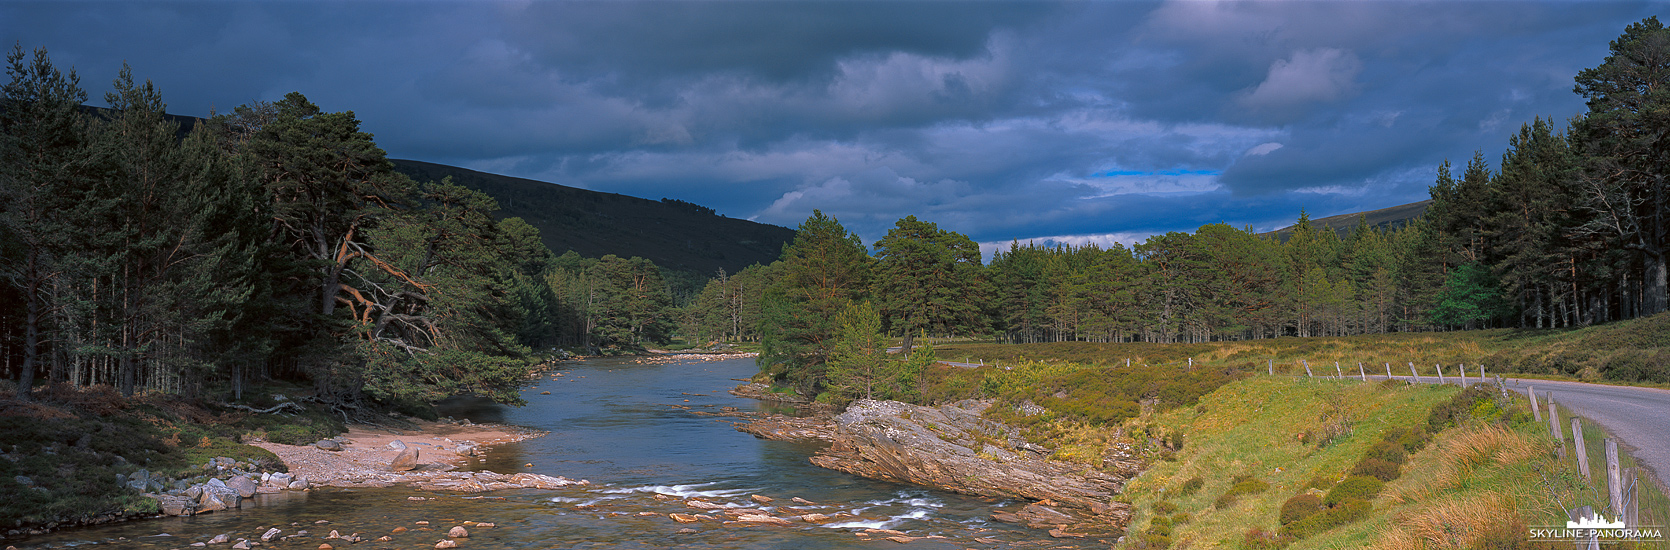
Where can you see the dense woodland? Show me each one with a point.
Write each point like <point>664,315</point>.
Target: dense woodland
<point>277,241</point>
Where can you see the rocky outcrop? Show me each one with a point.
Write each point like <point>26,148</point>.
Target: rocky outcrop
<point>953,448</point>
<point>790,428</point>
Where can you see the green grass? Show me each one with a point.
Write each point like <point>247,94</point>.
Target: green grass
<point>1480,482</point>
<point>1630,352</point>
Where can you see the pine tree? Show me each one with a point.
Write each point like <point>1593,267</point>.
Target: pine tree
<point>821,271</point>
<point>42,142</point>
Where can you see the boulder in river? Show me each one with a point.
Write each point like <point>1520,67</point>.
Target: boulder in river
<point>406,460</point>
<point>328,444</point>
<point>458,532</point>
<point>243,485</point>
<point>217,496</point>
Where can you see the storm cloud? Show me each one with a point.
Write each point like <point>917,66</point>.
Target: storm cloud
<point>1062,122</point>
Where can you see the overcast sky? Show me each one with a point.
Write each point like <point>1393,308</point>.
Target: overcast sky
<point>1072,122</point>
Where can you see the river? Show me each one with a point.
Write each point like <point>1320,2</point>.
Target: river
<point>618,423</point>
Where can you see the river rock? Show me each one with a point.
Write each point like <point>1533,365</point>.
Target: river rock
<point>762,499</point>
<point>298,484</point>
<point>172,505</point>
<point>815,518</point>
<point>538,481</point>
<point>458,532</point>
<point>446,544</point>
<point>465,449</point>
<point>762,518</point>
<point>241,545</point>
<point>328,444</point>
<point>405,461</point>
<point>683,518</point>
<point>243,485</point>
<point>936,447</point>
<point>217,496</point>
<point>397,445</point>
<point>270,534</point>
<point>218,539</point>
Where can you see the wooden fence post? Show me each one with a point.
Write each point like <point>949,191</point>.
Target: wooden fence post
<point>1388,371</point>
<point>1272,367</point>
<point>1632,509</point>
<point>1577,446</point>
<point>1463,368</point>
<point>1536,411</point>
<point>1554,424</point>
<point>1416,377</point>
<point>1440,368</point>
<point>1614,479</point>
<point>1307,368</point>
<point>1360,373</point>
<point>1338,373</point>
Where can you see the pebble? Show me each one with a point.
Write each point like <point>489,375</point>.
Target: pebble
<point>421,522</point>
<point>398,530</point>
<point>218,539</point>
<point>333,535</point>
<point>446,544</point>
<point>326,547</point>
<point>241,545</point>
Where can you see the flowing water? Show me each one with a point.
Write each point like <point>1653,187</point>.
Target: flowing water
<point>626,426</point>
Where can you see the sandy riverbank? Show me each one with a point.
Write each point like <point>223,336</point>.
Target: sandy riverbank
<point>366,452</point>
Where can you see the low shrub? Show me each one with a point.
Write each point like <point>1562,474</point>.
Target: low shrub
<point>1242,486</point>
<point>1191,486</point>
<point>1377,469</point>
<point>1299,507</point>
<point>1181,518</point>
<point>1388,451</point>
<point>1477,401</point>
<point>1346,512</point>
<point>1259,539</point>
<point>1411,439</point>
<point>1165,508</point>
<point>1353,488</point>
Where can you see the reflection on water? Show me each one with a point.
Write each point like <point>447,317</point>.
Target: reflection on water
<point>620,425</point>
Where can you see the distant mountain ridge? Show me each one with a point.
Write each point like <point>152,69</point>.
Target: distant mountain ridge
<point>674,234</point>
<point>1385,218</point>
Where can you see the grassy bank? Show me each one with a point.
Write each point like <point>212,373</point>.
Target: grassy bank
<point>1635,351</point>
<point>1387,465</point>
<point>62,452</point>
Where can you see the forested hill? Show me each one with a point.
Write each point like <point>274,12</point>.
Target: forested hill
<point>675,235</point>
<point>1385,218</point>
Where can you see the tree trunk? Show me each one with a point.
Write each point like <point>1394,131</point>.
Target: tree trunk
<point>1652,288</point>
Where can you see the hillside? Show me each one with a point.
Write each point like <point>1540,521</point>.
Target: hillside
<point>1384,218</point>
<point>675,235</point>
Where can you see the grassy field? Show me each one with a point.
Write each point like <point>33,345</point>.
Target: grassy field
<point>1478,478</point>
<point>1634,352</point>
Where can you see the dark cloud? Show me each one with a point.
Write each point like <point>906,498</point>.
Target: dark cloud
<point>1081,122</point>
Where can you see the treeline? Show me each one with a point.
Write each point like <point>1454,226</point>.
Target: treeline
<point>275,241</point>
<point>1572,230</point>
